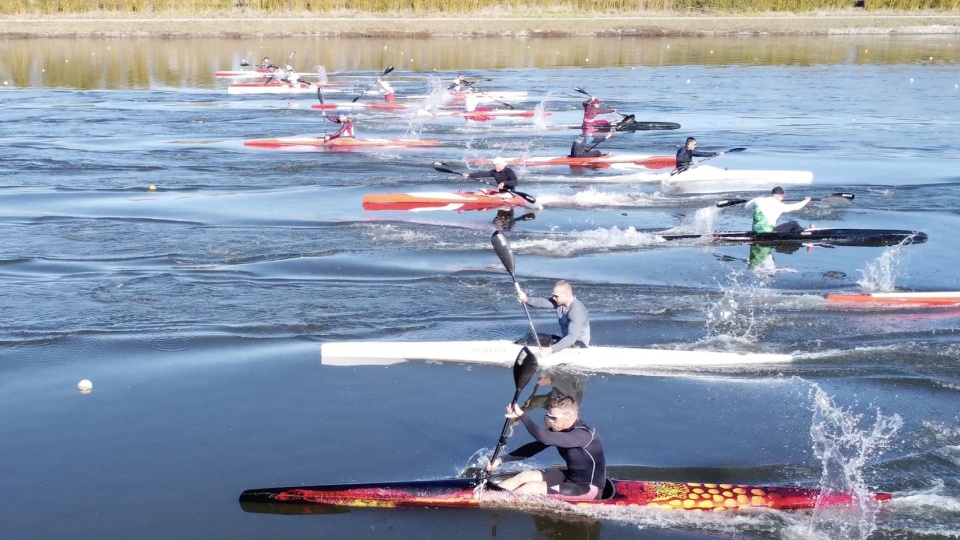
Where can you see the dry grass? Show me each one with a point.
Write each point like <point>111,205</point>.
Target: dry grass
<point>581,7</point>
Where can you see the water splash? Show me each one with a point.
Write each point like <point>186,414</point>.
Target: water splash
<point>322,73</point>
<point>881,273</point>
<point>732,316</point>
<point>538,116</point>
<point>844,449</point>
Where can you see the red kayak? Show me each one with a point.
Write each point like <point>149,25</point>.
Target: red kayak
<point>605,160</point>
<point>342,143</point>
<point>463,493</point>
<point>480,200</point>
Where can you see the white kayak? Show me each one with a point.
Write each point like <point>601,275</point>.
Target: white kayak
<point>709,179</point>
<point>504,353</point>
<point>278,87</point>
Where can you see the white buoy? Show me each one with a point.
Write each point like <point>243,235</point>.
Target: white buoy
<point>152,188</point>
<point>85,386</point>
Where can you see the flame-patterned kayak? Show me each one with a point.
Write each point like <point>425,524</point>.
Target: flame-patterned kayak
<point>463,492</point>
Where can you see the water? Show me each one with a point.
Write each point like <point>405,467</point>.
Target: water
<point>197,310</point>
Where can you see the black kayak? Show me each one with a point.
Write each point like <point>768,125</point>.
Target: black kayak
<point>631,126</point>
<point>839,237</point>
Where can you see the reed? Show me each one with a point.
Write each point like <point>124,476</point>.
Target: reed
<point>37,7</point>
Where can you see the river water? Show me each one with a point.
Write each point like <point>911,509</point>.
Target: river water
<point>198,309</point>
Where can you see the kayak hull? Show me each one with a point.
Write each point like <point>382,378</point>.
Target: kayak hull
<point>504,353</point>
<point>464,493</point>
<point>843,237</point>
<point>342,143</point>
<point>277,87</point>
<point>444,201</point>
<point>643,160</point>
<point>708,179</point>
<point>945,298</point>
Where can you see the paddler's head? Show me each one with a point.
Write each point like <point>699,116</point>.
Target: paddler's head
<point>562,413</point>
<point>691,143</point>
<point>499,163</point>
<point>341,118</point>
<point>562,293</point>
<point>777,193</point>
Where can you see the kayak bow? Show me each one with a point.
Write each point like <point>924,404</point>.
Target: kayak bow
<point>946,298</point>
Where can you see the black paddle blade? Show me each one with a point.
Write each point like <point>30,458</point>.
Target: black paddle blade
<point>626,121</point>
<point>320,95</point>
<point>524,367</point>
<point>581,90</point>
<point>736,150</point>
<point>527,197</point>
<point>442,167</point>
<point>839,198</point>
<point>730,202</point>
<point>503,250</point>
<point>388,70</point>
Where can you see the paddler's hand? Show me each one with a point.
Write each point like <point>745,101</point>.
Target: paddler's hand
<point>546,380</point>
<point>514,412</point>
<point>494,464</point>
<point>466,175</point>
<point>718,154</point>
<point>546,351</point>
<point>522,296</point>
<point>500,186</point>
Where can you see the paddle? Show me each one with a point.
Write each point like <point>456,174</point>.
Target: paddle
<point>730,151</point>
<point>385,72</point>
<point>287,65</point>
<point>477,90</point>
<point>524,367</point>
<point>627,120</point>
<point>841,197</point>
<point>467,83</point>
<point>444,168</point>
<point>503,250</point>
<point>322,110</point>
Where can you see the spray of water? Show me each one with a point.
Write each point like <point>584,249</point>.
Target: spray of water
<point>322,73</point>
<point>733,318</point>
<point>881,273</point>
<point>844,448</point>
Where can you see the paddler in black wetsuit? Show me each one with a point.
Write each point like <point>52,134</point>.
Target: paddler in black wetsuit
<point>504,176</point>
<point>578,444</point>
<point>579,147</point>
<point>686,154</point>
<point>346,127</point>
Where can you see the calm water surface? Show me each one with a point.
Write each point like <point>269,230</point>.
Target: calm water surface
<point>198,310</point>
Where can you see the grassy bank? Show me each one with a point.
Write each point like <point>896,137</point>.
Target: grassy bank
<point>195,18</point>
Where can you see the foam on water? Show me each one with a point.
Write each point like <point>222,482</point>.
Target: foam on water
<point>596,240</point>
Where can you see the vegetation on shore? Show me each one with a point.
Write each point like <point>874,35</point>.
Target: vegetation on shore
<point>447,7</point>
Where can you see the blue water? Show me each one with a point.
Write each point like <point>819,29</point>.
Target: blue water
<point>198,310</point>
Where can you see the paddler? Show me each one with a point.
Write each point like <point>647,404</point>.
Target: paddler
<point>504,176</point>
<point>579,147</point>
<point>346,127</point>
<point>389,95</point>
<point>571,314</point>
<point>578,444</point>
<point>591,108</point>
<point>689,151</point>
<point>267,64</point>
<point>767,210</point>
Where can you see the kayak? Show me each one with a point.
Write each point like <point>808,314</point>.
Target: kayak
<point>944,298</point>
<point>636,125</point>
<point>277,87</point>
<point>464,493</point>
<point>245,73</point>
<point>339,143</point>
<point>605,160</point>
<point>845,237</point>
<point>382,105</point>
<point>709,179</point>
<point>460,201</point>
<point>483,114</point>
<point>493,95</point>
<point>504,353</point>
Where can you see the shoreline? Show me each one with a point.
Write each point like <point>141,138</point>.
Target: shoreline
<point>484,24</point>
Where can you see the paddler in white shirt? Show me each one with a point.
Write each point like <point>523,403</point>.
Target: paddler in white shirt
<point>388,93</point>
<point>767,210</point>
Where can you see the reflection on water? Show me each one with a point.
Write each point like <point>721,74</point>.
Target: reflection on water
<point>190,63</point>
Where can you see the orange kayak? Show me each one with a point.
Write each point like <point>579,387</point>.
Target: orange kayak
<point>948,298</point>
<point>460,201</point>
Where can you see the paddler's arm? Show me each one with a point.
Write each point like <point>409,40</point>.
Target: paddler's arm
<point>479,174</point>
<point>790,207</point>
<point>511,182</point>
<point>545,303</point>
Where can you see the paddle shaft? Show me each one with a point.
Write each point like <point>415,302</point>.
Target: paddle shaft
<point>385,72</point>
<point>848,197</point>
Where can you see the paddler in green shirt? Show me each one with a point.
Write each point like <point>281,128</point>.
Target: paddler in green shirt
<point>767,210</point>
